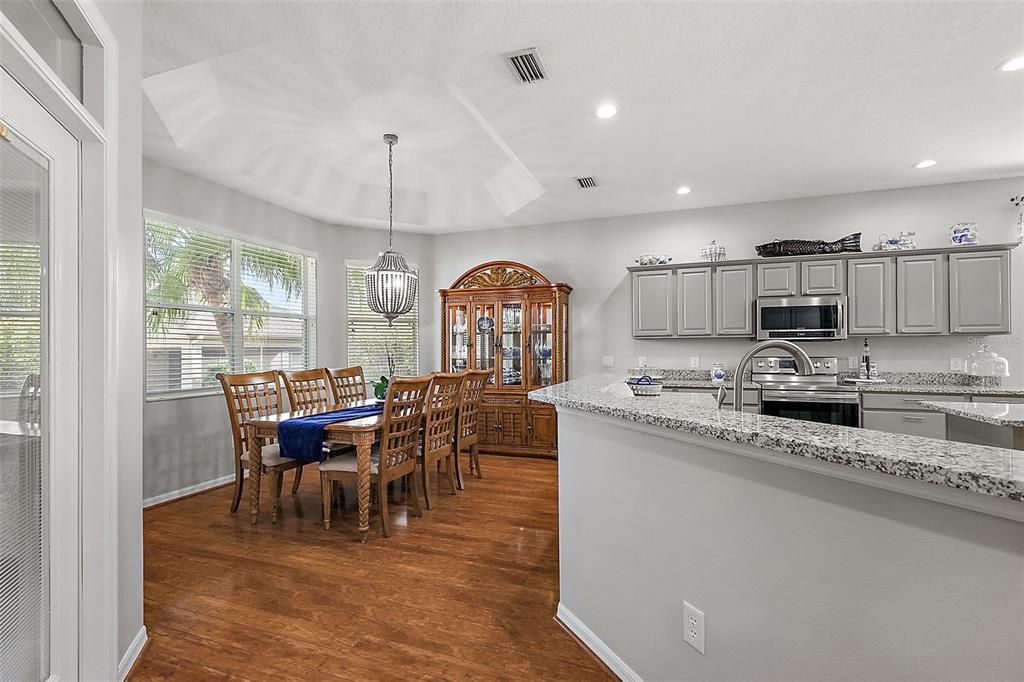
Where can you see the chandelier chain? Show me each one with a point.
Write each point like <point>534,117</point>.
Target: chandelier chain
<point>391,193</point>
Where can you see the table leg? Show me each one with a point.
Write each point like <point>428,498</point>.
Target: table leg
<point>364,445</point>
<point>255,471</point>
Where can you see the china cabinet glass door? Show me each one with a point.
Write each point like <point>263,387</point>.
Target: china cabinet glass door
<point>541,339</point>
<point>483,344</point>
<point>458,338</point>
<point>511,344</point>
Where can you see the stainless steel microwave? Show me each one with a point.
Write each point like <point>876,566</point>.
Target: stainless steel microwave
<point>802,317</point>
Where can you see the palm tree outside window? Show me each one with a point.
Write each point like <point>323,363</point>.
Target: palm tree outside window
<point>215,303</point>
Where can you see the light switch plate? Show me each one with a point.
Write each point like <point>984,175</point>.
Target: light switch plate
<point>956,364</point>
<point>852,362</point>
<point>608,361</point>
<point>694,362</point>
<point>641,361</point>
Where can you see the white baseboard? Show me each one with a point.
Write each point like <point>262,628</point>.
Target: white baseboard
<point>132,655</point>
<point>188,490</point>
<point>595,644</point>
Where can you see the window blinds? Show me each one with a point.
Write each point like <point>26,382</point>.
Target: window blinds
<point>370,338</point>
<point>216,304</point>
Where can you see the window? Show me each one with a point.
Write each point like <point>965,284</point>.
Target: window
<point>219,304</point>
<point>369,337</point>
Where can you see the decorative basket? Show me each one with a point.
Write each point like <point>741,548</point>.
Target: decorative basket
<point>712,252</point>
<point>645,386</point>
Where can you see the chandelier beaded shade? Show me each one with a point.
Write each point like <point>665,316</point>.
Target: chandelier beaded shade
<point>390,284</point>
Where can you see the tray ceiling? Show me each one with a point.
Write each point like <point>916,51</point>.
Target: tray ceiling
<point>742,102</point>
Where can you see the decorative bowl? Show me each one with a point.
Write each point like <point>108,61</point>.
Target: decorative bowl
<point>645,386</point>
<point>650,259</point>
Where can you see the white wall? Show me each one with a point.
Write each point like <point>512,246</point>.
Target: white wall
<point>177,457</point>
<point>800,576</point>
<point>592,255</point>
<point>125,20</point>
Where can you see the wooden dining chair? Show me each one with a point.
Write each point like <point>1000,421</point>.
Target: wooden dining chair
<point>394,455</point>
<point>466,435</point>
<point>348,384</point>
<point>439,429</point>
<point>256,394</point>
<point>311,389</point>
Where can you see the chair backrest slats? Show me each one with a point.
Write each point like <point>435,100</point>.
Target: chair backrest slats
<point>256,394</point>
<point>469,406</point>
<point>403,416</point>
<point>309,389</point>
<point>348,384</point>
<point>442,405</point>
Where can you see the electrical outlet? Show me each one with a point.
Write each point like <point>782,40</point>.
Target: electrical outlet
<point>641,361</point>
<point>956,364</point>
<point>693,626</point>
<point>608,361</point>
<point>852,362</point>
<point>694,362</point>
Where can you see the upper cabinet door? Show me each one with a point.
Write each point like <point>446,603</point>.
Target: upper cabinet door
<point>694,302</point>
<point>776,279</point>
<point>821,277</point>
<point>872,287</point>
<point>653,303</point>
<point>734,300</point>
<point>979,292</point>
<point>921,291</point>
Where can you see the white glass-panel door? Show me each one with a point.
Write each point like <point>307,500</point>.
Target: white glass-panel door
<point>39,403</point>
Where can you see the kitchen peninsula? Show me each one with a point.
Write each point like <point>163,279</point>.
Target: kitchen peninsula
<point>755,520</point>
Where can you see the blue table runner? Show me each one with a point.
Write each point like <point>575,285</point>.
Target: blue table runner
<point>302,438</point>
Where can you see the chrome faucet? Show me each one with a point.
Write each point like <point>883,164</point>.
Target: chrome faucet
<point>803,366</point>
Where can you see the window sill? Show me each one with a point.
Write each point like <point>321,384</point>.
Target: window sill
<point>159,398</point>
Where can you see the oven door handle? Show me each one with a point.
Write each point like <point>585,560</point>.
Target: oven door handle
<point>809,397</point>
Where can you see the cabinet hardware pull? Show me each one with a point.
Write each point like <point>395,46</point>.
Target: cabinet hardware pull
<point>908,418</point>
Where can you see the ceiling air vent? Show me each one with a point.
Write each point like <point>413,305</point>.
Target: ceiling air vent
<point>586,183</point>
<point>527,65</point>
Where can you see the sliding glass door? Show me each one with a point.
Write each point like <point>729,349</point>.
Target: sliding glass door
<point>39,451</point>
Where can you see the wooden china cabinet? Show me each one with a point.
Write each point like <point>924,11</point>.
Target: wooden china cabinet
<point>508,318</point>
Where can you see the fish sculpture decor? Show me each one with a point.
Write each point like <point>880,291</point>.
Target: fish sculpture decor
<point>808,247</point>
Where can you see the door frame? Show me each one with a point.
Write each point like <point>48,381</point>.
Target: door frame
<point>94,125</point>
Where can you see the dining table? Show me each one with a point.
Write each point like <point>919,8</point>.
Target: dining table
<point>362,433</point>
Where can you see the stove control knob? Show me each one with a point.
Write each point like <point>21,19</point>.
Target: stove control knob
<point>828,365</point>
<point>817,365</point>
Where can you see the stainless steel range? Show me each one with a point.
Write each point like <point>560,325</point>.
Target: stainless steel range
<point>817,397</point>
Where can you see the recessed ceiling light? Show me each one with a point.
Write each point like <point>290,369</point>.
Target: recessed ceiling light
<point>1015,64</point>
<point>683,190</point>
<point>606,111</point>
<point>927,163</point>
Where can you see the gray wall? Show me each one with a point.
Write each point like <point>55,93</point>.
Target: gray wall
<point>800,576</point>
<point>125,20</point>
<point>592,256</point>
<point>177,457</point>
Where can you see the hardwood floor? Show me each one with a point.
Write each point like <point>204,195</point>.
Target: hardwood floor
<point>467,591</point>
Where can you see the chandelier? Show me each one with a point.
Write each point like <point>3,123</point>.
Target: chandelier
<point>390,284</point>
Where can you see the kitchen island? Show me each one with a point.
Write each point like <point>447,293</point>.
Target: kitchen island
<point>1009,415</point>
<point>815,551</point>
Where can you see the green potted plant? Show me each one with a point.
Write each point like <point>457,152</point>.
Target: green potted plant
<point>380,388</point>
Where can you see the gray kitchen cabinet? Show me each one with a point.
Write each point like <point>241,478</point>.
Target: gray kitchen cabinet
<point>653,303</point>
<point>734,300</point>
<point>822,277</point>
<point>872,296</point>
<point>694,302</point>
<point>776,279</point>
<point>929,425</point>
<point>979,293</point>
<point>921,295</point>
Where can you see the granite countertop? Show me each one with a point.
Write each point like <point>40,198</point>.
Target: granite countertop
<point>982,469</point>
<point>1000,414</point>
<point>959,389</point>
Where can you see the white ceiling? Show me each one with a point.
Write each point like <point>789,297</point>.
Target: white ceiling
<point>287,101</point>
